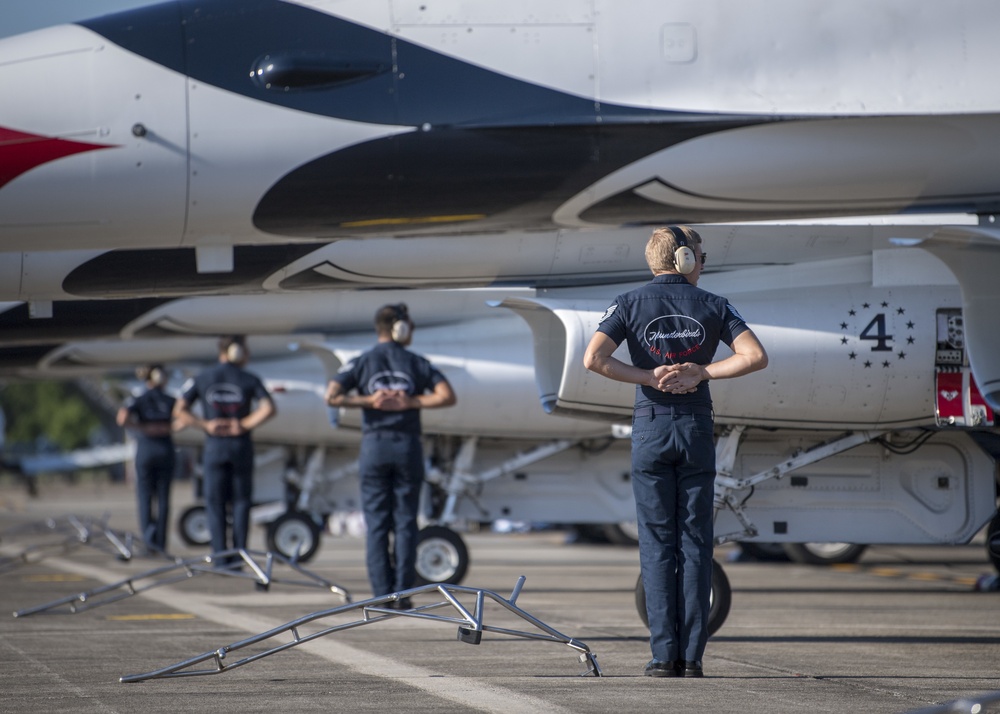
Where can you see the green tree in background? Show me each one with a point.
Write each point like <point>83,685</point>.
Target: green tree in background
<point>53,411</point>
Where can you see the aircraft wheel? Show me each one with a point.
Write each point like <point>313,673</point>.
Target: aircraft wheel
<point>624,533</point>
<point>993,542</point>
<point>293,535</point>
<point>441,556</point>
<point>193,526</point>
<point>721,599</point>
<point>824,553</point>
<point>764,552</point>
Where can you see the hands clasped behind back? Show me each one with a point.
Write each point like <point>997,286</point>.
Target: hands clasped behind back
<point>677,378</point>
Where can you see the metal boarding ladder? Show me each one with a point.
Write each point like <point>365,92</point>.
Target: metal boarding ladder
<point>260,565</point>
<point>378,609</point>
<point>74,532</point>
<point>727,487</point>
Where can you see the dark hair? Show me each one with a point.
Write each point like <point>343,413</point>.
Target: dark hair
<point>234,347</point>
<point>389,315</point>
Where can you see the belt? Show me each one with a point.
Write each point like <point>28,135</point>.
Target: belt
<point>661,410</point>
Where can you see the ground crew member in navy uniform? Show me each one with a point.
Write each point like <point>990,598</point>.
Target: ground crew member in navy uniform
<point>228,394</point>
<point>149,416</point>
<point>391,385</point>
<point>672,329</point>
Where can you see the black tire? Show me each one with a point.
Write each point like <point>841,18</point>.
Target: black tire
<point>293,535</point>
<point>441,556</point>
<point>824,553</point>
<point>624,533</point>
<point>765,552</point>
<point>193,526</point>
<point>993,542</point>
<point>722,599</point>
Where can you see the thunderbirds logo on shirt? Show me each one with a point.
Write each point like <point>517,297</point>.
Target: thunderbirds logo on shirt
<point>225,398</point>
<point>394,381</point>
<point>673,337</point>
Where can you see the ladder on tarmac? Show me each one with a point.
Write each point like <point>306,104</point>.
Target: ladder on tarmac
<point>469,617</point>
<point>257,566</point>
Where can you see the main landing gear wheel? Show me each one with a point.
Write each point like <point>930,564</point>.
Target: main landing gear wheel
<point>721,599</point>
<point>441,556</point>
<point>764,552</point>
<point>824,553</point>
<point>193,526</point>
<point>993,542</point>
<point>293,535</point>
<point>623,533</point>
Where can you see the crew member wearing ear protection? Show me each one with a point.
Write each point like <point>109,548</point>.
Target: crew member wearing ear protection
<point>391,385</point>
<point>148,416</point>
<point>234,403</point>
<point>672,329</point>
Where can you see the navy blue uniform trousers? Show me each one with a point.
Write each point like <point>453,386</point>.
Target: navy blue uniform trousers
<point>154,470</point>
<point>391,466</point>
<point>227,466</point>
<point>673,478</point>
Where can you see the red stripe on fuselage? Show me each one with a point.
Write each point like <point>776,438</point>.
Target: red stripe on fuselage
<point>20,152</point>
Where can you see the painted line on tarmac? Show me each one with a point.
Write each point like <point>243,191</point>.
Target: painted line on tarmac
<point>885,572</point>
<point>466,691</point>
<point>53,578</point>
<point>153,616</point>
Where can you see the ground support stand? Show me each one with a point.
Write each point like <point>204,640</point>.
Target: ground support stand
<point>469,621</point>
<point>259,567</point>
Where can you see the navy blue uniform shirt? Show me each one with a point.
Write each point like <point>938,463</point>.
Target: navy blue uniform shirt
<point>670,321</point>
<point>389,365</point>
<point>154,406</point>
<point>227,391</point>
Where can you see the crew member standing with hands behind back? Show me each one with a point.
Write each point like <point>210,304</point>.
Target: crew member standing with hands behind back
<point>150,416</point>
<point>391,385</point>
<point>228,393</point>
<point>673,329</point>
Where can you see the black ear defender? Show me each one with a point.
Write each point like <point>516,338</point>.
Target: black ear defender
<point>402,328</point>
<point>685,260</point>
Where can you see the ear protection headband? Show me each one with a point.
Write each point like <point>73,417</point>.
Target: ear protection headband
<point>684,258</point>
<point>402,328</point>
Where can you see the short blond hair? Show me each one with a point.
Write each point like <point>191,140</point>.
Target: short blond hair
<point>662,245</point>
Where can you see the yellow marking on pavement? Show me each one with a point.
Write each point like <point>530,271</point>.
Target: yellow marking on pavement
<point>413,221</point>
<point>154,616</point>
<point>886,572</point>
<point>897,573</point>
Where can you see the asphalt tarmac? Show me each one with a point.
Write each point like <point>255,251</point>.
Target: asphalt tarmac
<point>902,630</point>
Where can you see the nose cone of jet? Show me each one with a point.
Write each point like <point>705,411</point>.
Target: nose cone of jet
<point>73,174</point>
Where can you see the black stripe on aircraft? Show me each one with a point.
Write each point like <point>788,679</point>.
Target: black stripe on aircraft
<point>338,68</point>
<point>174,272</point>
<point>488,152</point>
<point>71,320</point>
<point>489,179</point>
